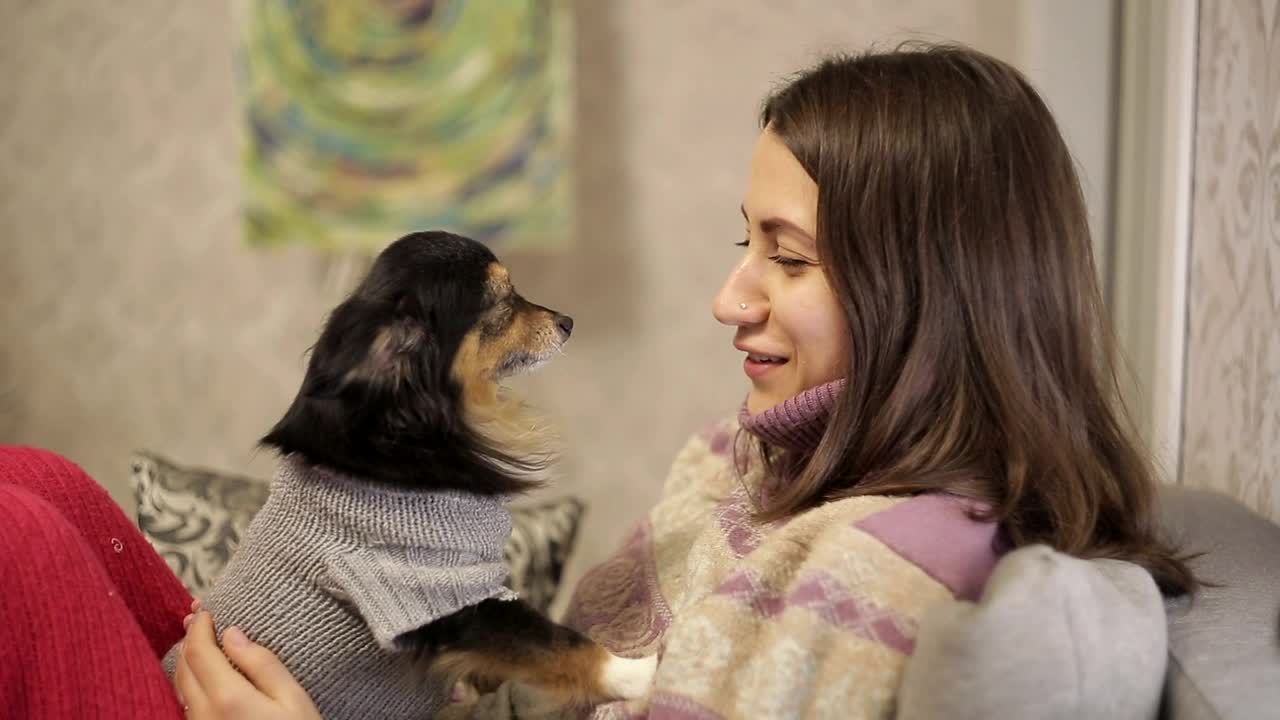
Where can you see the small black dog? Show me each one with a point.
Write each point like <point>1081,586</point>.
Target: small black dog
<point>402,392</point>
<point>402,386</point>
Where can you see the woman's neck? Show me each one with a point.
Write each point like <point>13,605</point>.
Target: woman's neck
<point>797,423</point>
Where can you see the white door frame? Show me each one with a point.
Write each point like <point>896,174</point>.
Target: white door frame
<point>1148,273</point>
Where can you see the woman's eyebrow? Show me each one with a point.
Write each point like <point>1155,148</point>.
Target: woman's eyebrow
<point>773,224</point>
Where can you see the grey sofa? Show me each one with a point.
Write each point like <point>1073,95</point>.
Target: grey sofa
<point>1224,648</point>
<point>1055,637</point>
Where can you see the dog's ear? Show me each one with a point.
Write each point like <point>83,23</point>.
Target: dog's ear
<point>390,357</point>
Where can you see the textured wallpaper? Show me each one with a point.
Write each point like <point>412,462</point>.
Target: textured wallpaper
<point>132,315</point>
<point>1231,432</point>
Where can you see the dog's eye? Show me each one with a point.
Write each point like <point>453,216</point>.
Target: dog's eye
<point>498,318</point>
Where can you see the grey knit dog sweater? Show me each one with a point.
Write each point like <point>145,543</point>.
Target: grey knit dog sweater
<point>334,570</point>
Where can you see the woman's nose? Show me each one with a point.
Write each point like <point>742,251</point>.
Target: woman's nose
<point>741,301</point>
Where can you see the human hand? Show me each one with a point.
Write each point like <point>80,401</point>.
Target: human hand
<point>195,608</point>
<point>212,689</point>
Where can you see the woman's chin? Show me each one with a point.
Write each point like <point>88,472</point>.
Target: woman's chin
<point>758,402</point>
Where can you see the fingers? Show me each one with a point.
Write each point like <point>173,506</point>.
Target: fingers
<point>195,608</point>
<point>210,672</point>
<point>211,687</point>
<point>193,696</point>
<point>261,666</point>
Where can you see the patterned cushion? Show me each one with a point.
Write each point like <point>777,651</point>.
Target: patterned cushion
<point>194,519</point>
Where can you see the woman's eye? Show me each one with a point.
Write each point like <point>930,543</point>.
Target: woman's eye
<point>743,243</point>
<point>789,263</point>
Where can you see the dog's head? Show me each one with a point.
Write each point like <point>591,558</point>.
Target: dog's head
<point>403,384</point>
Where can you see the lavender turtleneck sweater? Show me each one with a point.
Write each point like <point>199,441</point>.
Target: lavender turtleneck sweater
<point>797,423</point>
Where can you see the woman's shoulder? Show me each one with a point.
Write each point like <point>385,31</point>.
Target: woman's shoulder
<point>940,534</point>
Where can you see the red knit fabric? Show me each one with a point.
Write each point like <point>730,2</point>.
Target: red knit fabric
<point>88,605</point>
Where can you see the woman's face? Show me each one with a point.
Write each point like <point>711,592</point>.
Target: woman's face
<point>791,328</point>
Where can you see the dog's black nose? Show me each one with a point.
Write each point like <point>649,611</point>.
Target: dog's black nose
<point>565,323</point>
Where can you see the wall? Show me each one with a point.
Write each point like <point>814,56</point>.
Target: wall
<point>1068,51</point>
<point>131,316</point>
<point>1231,417</point>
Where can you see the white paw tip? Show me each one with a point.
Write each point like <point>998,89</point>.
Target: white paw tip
<point>464,692</point>
<point>629,678</point>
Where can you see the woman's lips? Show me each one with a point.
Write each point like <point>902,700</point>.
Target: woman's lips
<point>757,366</point>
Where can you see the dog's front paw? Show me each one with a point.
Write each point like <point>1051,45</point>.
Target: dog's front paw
<point>464,692</point>
<point>628,678</point>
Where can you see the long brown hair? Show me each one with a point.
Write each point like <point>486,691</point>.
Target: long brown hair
<point>952,228</point>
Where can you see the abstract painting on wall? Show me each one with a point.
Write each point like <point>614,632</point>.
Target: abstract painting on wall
<point>368,119</point>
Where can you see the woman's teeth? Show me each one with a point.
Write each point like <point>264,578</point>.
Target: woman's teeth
<point>764,358</point>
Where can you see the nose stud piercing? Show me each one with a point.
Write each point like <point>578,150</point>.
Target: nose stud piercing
<point>742,305</point>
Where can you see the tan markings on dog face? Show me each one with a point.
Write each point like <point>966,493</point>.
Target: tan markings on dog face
<point>509,336</point>
<point>499,282</point>
<point>473,370</point>
<point>480,359</point>
<point>476,368</point>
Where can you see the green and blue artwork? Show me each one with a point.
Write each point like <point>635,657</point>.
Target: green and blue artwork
<point>368,119</point>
